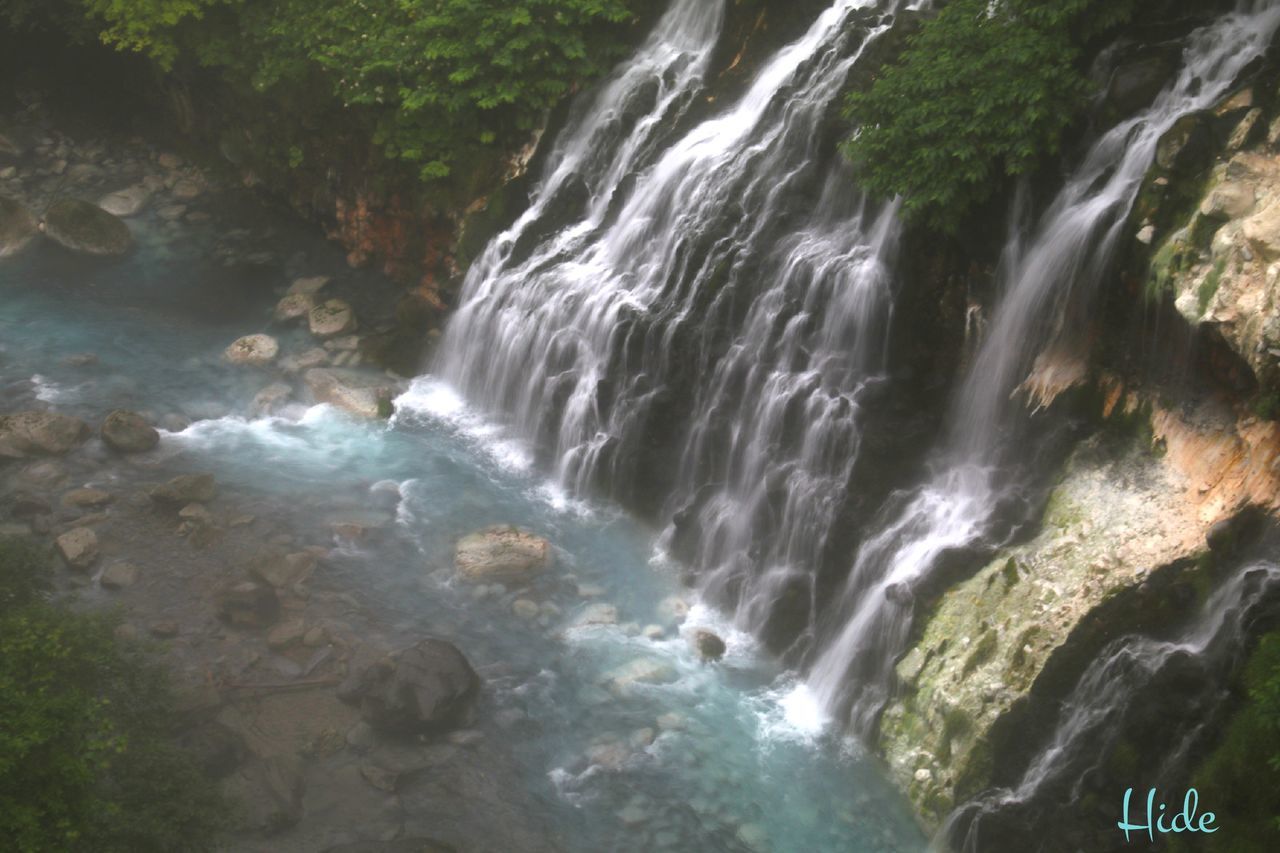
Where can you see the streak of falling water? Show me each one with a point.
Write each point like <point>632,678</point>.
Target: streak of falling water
<point>735,266</point>
<point>1066,257</point>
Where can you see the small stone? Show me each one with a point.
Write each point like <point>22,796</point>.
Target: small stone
<point>269,399</point>
<point>598,614</point>
<point>84,498</point>
<point>128,432</point>
<point>164,630</point>
<point>78,547</point>
<point>332,318</point>
<point>186,489</point>
<point>256,350</point>
<point>285,635</point>
<point>294,306</point>
<point>923,775</point>
<point>709,646</point>
<point>308,286</point>
<point>314,637</point>
<point>119,576</point>
<point>641,738</point>
<point>633,815</point>
<point>361,736</point>
<point>126,202</point>
<point>169,161</point>
<point>672,722</point>
<point>249,605</point>
<point>187,190</point>
<point>525,609</point>
<point>653,632</point>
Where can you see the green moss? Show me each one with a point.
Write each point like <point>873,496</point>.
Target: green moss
<point>1267,406</point>
<point>1241,777</point>
<point>981,652</point>
<point>1171,260</point>
<point>1209,287</point>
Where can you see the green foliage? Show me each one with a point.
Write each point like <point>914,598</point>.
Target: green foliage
<point>426,80</point>
<point>982,92</point>
<point>1267,406</point>
<point>1240,780</point>
<point>1209,287</point>
<point>86,758</point>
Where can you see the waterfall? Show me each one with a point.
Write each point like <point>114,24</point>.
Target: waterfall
<point>726,286</point>
<point>1065,257</point>
<point>1124,676</point>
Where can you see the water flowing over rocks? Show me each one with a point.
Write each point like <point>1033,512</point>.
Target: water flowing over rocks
<point>84,227</point>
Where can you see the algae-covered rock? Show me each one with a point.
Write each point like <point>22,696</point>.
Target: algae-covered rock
<point>84,227</point>
<point>18,227</point>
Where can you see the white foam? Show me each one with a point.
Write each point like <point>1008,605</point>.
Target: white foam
<point>47,390</point>
<point>430,398</point>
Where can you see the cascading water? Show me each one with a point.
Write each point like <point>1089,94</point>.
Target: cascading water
<point>739,258</point>
<point>1125,676</point>
<point>1068,254</point>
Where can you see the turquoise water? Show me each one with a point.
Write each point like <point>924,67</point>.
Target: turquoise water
<point>628,741</point>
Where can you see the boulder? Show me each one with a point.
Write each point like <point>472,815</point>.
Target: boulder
<point>78,547</point>
<point>128,432</point>
<point>87,228</point>
<point>281,570</point>
<point>41,434</point>
<point>86,498</point>
<point>126,202</point>
<point>269,399</point>
<point>249,605</point>
<point>119,576</point>
<point>501,554</point>
<point>1187,147</point>
<point>253,350</point>
<point>368,395</point>
<point>294,306</point>
<point>427,688</point>
<point>708,645</point>
<point>332,318</point>
<point>18,227</point>
<point>314,357</point>
<point>308,286</point>
<point>186,489</point>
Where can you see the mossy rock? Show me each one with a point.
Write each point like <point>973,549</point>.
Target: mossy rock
<point>87,228</point>
<point>17,227</point>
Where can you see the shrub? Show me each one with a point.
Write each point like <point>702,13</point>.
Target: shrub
<point>982,92</point>
<point>87,761</point>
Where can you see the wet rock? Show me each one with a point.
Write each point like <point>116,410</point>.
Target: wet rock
<point>364,394</point>
<point>598,614</point>
<point>78,547</point>
<point>87,228</point>
<point>164,630</point>
<point>708,645</point>
<point>308,286</point>
<point>187,190</point>
<point>18,227</point>
<point>119,576</point>
<point>525,609</point>
<point>126,202</point>
<point>501,554</point>
<point>640,671</point>
<point>269,399</point>
<point>249,605</point>
<point>128,432</point>
<point>26,505</point>
<point>287,634</point>
<point>40,434</point>
<point>314,357</point>
<point>281,570</point>
<point>186,489</point>
<point>86,498</point>
<point>1187,146</point>
<point>269,792</point>
<point>332,318</point>
<point>427,688</point>
<point>294,306</point>
<point>255,350</point>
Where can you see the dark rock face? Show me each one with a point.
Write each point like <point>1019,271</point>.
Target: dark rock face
<point>128,432</point>
<point>87,228</point>
<point>424,689</point>
<point>709,646</point>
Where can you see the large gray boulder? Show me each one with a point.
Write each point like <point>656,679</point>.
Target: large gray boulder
<point>501,554</point>
<point>425,689</point>
<point>128,432</point>
<point>84,227</point>
<point>18,227</point>
<point>40,434</point>
<point>129,201</point>
<point>365,394</point>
